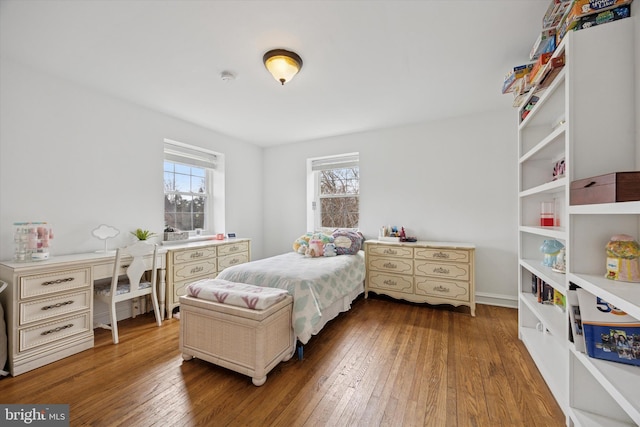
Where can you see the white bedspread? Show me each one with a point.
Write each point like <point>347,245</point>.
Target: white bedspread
<point>314,283</point>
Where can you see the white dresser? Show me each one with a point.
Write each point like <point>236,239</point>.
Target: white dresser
<point>189,262</point>
<point>424,272</point>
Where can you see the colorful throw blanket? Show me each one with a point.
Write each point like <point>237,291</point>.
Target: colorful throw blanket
<point>314,283</point>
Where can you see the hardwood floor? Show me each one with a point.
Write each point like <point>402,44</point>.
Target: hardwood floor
<point>382,363</point>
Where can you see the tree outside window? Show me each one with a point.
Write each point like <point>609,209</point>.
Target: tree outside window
<point>336,202</point>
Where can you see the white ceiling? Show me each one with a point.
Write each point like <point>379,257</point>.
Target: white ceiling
<point>367,64</point>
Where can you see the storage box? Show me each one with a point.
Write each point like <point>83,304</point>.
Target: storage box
<point>604,17</point>
<point>250,342</point>
<point>538,66</point>
<point>609,333</point>
<point>514,74</point>
<point>555,12</point>
<point>583,8</point>
<point>173,236</point>
<point>609,188</point>
<point>546,42</point>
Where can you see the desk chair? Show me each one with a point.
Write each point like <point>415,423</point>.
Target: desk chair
<point>131,285</point>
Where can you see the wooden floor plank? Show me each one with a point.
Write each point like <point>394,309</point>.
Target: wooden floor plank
<point>384,362</point>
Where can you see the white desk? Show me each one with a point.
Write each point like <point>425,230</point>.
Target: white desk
<point>49,305</point>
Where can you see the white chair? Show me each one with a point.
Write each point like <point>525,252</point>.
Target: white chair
<point>132,285</point>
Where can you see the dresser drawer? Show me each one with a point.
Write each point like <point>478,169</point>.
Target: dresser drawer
<point>55,281</point>
<point>449,289</point>
<point>42,309</point>
<point>390,282</point>
<point>442,254</point>
<point>179,288</point>
<point>180,257</point>
<point>103,271</point>
<point>233,248</point>
<point>442,269</point>
<point>54,332</point>
<point>390,251</point>
<point>230,260</point>
<point>395,265</point>
<point>193,270</point>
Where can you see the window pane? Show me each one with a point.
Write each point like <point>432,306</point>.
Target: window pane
<point>198,205</point>
<point>169,184</point>
<point>182,183</point>
<point>340,212</point>
<point>182,169</point>
<point>339,181</point>
<point>197,184</point>
<point>198,172</point>
<point>185,200</point>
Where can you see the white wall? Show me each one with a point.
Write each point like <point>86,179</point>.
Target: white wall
<point>452,180</point>
<point>77,158</point>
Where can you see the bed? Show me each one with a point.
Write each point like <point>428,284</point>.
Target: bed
<point>321,287</point>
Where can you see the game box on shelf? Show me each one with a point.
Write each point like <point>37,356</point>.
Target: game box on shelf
<point>609,333</point>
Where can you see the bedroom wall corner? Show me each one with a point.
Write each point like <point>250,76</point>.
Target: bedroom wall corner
<point>77,158</point>
<point>450,180</point>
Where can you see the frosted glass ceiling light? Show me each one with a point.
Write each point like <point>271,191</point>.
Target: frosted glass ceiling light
<point>282,64</point>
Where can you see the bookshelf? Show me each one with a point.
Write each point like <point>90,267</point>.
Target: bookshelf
<point>587,119</point>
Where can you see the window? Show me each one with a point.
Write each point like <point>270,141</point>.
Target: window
<point>335,191</point>
<point>188,186</point>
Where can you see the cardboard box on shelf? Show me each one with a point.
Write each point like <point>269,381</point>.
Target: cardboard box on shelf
<point>555,12</point>
<point>538,67</point>
<point>604,17</point>
<point>514,74</point>
<point>552,69</point>
<point>583,8</point>
<point>546,42</point>
<point>609,332</point>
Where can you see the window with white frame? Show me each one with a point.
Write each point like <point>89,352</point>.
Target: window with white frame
<point>188,186</point>
<point>335,187</point>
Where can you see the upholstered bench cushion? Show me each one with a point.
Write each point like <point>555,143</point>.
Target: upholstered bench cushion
<point>237,294</point>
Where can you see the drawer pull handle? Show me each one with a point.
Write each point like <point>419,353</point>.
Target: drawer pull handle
<point>390,265</point>
<point>58,329</point>
<point>196,269</point>
<point>590,184</point>
<point>440,289</point>
<point>441,255</point>
<point>197,254</point>
<point>233,248</point>
<point>234,261</point>
<point>124,267</point>
<point>390,282</point>
<point>57,282</point>
<point>441,270</point>
<point>58,305</point>
<point>390,252</point>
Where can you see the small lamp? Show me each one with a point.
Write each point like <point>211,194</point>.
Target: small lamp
<point>282,64</point>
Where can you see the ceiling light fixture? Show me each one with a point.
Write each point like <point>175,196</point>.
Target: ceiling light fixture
<point>282,64</point>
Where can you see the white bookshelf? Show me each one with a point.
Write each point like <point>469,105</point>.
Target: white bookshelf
<point>588,121</point>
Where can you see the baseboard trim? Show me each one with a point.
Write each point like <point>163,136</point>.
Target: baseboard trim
<point>499,300</point>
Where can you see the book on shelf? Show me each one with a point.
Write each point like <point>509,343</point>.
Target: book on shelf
<point>559,299</point>
<point>575,320</point>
